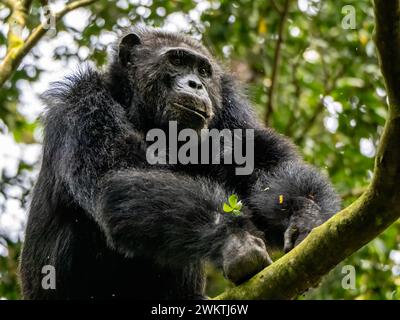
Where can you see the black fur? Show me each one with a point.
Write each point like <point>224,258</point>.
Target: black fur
<point>115,227</point>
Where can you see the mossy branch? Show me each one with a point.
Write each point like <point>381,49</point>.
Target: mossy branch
<point>8,3</point>
<point>17,49</point>
<point>17,21</point>
<point>376,209</point>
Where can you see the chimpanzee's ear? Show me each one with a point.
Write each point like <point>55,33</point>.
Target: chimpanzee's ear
<point>125,47</point>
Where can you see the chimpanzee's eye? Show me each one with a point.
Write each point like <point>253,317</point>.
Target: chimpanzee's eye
<point>204,71</point>
<point>176,61</point>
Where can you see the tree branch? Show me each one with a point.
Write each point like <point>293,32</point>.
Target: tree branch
<point>17,22</point>
<point>16,53</point>
<point>8,3</point>
<point>376,209</point>
<point>277,58</point>
<point>276,7</point>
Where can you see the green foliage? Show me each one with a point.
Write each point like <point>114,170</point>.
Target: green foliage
<point>234,205</point>
<point>375,278</point>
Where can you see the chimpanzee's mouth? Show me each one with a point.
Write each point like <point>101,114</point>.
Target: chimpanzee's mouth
<point>193,110</point>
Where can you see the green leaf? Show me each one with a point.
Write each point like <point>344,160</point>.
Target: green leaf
<point>236,212</point>
<point>233,199</point>
<point>239,206</point>
<point>227,208</point>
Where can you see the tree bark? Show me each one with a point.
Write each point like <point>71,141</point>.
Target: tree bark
<point>376,209</point>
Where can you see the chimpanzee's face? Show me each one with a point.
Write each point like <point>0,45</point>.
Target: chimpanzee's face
<point>177,83</point>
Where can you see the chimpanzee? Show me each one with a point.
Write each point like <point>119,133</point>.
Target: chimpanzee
<point>114,226</point>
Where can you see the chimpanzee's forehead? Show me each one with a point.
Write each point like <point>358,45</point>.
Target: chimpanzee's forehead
<point>161,41</point>
<point>183,47</point>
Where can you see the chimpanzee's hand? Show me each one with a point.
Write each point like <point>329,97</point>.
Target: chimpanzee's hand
<point>306,216</point>
<point>243,256</point>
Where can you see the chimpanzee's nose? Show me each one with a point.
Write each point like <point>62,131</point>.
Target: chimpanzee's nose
<point>195,84</point>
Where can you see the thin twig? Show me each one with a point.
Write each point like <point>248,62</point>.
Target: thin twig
<point>276,62</point>
<point>276,7</point>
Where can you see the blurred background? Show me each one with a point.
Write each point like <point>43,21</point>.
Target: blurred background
<point>307,73</point>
